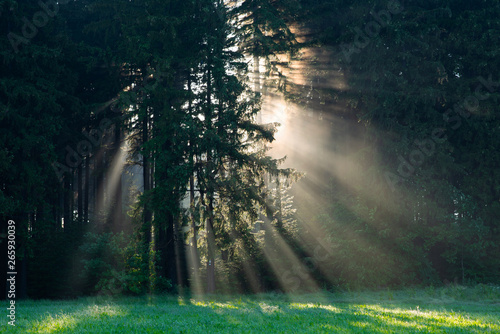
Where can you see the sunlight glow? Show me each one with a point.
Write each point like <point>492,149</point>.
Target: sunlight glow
<point>65,322</point>
<point>289,269</point>
<point>107,190</point>
<point>302,306</point>
<point>57,323</point>
<point>400,317</point>
<point>214,305</point>
<point>266,308</point>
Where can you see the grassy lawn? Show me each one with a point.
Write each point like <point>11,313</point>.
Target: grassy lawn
<point>444,310</point>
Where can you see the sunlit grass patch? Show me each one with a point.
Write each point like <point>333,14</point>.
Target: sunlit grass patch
<point>269,308</point>
<point>356,312</point>
<point>214,305</point>
<point>69,316</point>
<point>430,320</point>
<point>56,323</point>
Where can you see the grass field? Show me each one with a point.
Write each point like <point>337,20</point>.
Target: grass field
<point>453,309</point>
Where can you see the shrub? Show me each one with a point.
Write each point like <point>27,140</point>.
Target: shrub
<point>116,264</point>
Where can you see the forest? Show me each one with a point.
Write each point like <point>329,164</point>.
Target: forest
<point>248,146</point>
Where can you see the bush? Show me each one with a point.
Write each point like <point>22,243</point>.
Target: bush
<point>116,264</point>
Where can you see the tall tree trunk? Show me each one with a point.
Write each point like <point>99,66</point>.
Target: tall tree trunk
<point>194,239</point>
<point>80,192</point>
<point>211,247</point>
<point>86,190</point>
<point>62,200</point>
<point>170,250</point>
<point>73,191</point>
<point>180,257</point>
<point>279,204</point>
<point>67,200</point>
<point>147,215</point>
<point>256,83</point>
<point>165,245</point>
<point>210,169</point>
<point>99,187</point>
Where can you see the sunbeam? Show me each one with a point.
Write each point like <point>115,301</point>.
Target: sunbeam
<point>111,188</point>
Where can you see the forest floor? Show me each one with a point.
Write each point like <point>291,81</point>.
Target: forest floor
<point>453,309</point>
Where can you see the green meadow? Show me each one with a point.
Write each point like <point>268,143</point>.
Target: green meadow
<point>443,310</point>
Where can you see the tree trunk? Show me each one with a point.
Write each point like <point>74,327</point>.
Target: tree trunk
<point>147,215</point>
<point>210,195</point>
<point>180,257</point>
<point>170,251</point>
<point>80,193</point>
<point>86,190</point>
<point>279,214</point>
<point>99,187</point>
<point>211,247</point>
<point>256,83</point>
<point>67,200</point>
<point>166,247</point>
<point>194,240</point>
